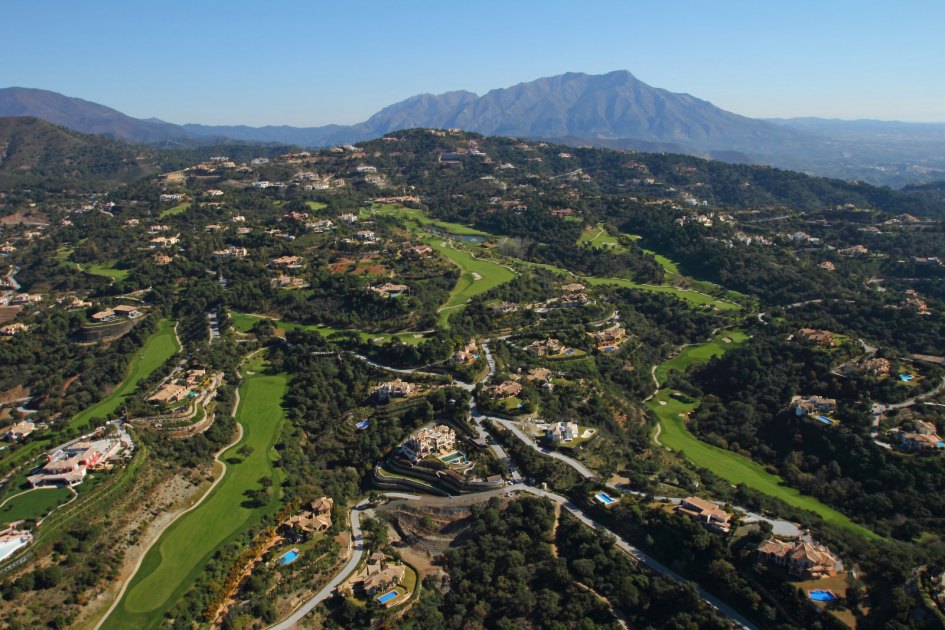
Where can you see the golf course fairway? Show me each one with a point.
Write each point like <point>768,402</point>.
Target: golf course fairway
<point>180,554</point>
<point>734,468</point>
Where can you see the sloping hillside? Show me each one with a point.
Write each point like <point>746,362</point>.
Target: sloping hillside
<point>34,152</point>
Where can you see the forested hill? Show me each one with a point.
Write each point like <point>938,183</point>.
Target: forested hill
<point>36,153</point>
<point>675,177</point>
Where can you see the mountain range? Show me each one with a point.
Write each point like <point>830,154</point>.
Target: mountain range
<point>615,110</point>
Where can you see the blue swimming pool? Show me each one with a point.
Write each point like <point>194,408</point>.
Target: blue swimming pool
<point>905,378</point>
<point>288,557</point>
<point>604,498</point>
<point>386,597</point>
<point>362,425</point>
<point>825,419</point>
<point>822,596</point>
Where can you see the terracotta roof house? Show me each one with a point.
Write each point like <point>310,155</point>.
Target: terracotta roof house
<point>815,337</point>
<point>435,440</point>
<point>804,560</point>
<point>394,389</point>
<point>104,315</point>
<point>131,312</point>
<point>706,512</point>
<point>814,404</point>
<point>546,347</point>
<point>505,390</point>
<point>314,518</point>
<point>170,392</point>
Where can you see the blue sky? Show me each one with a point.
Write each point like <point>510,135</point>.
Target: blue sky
<point>313,63</point>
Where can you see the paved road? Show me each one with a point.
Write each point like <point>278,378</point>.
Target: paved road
<point>357,551</point>
<point>566,503</point>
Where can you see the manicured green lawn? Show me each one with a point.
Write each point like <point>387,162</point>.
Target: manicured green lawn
<point>730,466</point>
<point>701,353</point>
<point>107,270</point>
<point>159,348</point>
<point>417,217</point>
<point>693,297</point>
<point>34,504</point>
<point>478,276</point>
<point>178,209</point>
<point>244,322</point>
<point>598,237</point>
<point>316,205</point>
<point>171,566</point>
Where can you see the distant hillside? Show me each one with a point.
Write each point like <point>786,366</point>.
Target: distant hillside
<point>34,152</point>
<point>614,110</point>
<point>87,117</point>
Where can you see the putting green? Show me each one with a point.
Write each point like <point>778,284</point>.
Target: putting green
<point>173,564</point>
<point>730,466</point>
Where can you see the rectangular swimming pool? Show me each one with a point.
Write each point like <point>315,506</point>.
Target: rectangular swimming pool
<point>288,557</point>
<point>822,596</point>
<point>605,499</point>
<point>386,597</point>
<point>825,419</point>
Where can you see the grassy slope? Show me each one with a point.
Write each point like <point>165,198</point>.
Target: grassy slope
<point>172,565</point>
<point>33,504</point>
<point>726,464</point>
<point>178,209</point>
<point>157,349</point>
<point>491,275</point>
<point>243,322</point>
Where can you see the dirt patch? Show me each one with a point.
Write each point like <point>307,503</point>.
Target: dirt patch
<point>25,218</point>
<point>68,383</point>
<point>144,521</point>
<point>14,393</point>
<point>9,313</point>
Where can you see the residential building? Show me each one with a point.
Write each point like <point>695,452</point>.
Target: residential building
<point>11,329</point>
<point>169,393</point>
<point>316,517</point>
<point>379,575</point>
<point>855,250</point>
<point>230,252</point>
<point>390,289</point>
<point>131,312</point>
<point>816,337</point>
<point>470,352</point>
<point>283,281</point>
<point>803,560</point>
<point>706,512</point>
<point>68,465</point>
<point>572,287</point>
<point>505,390</point>
<point>814,405</point>
<point>546,347</point>
<point>419,251</point>
<point>287,262</point>
<point>104,315</point>
<point>562,431</point>
<point>609,338</point>
<point>436,440</point>
<point>394,389</point>
<point>19,431</point>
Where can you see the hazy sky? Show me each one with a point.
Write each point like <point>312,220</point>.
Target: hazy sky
<point>313,63</point>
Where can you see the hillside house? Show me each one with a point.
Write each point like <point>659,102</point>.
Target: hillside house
<point>230,252</point>
<point>314,518</point>
<point>169,393</point>
<point>706,512</point>
<point>436,440</point>
<point>379,575</point>
<point>610,338</point>
<point>803,560</point>
<point>104,315</point>
<point>19,431</point>
<point>470,352</point>
<point>126,310</point>
<point>562,431</point>
<point>924,438</point>
<point>11,329</point>
<point>287,262</point>
<point>390,289</point>
<point>814,405</point>
<point>506,389</point>
<point>394,389</point>
<point>811,336</point>
<point>546,347</point>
